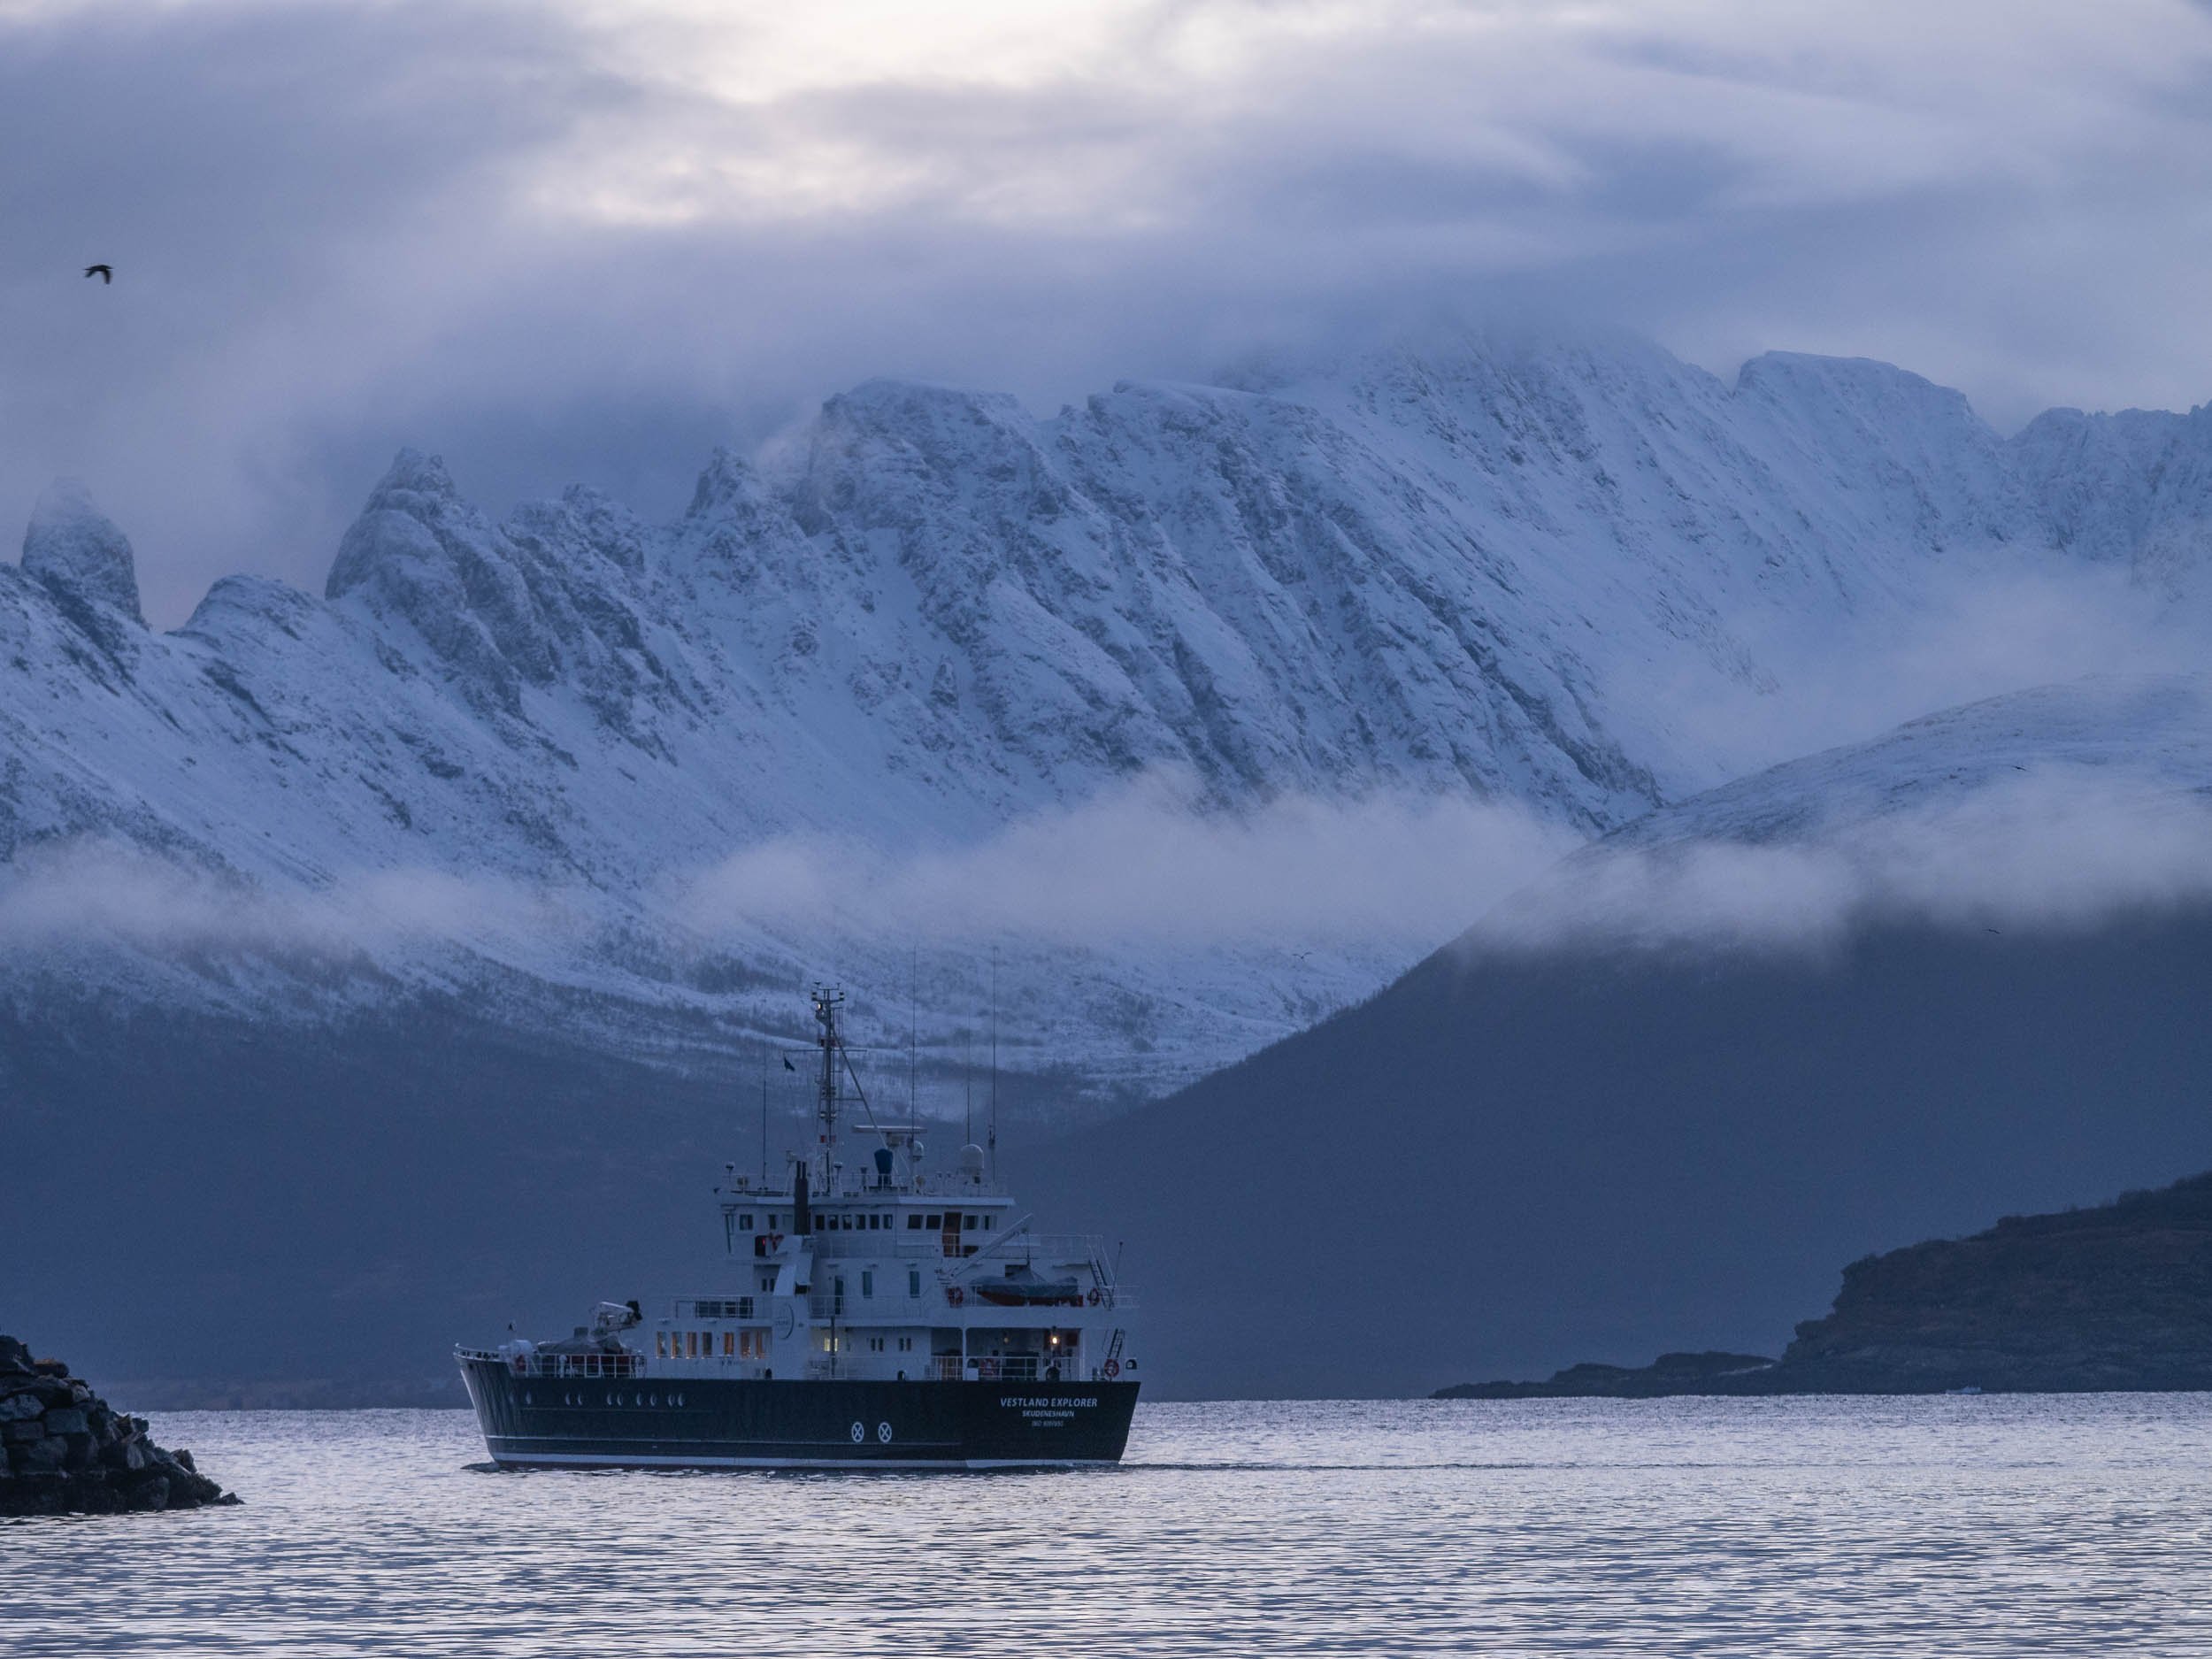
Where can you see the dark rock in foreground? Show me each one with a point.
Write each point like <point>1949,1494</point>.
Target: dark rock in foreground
<point>2117,1297</point>
<point>63,1451</point>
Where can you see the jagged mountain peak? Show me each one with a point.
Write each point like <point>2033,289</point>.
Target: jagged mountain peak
<point>414,473</point>
<point>76,549</point>
<point>1481,567</point>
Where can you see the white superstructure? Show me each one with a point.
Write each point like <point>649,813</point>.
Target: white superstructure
<point>887,1270</point>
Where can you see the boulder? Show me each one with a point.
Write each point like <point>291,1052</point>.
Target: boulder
<point>44,1455</point>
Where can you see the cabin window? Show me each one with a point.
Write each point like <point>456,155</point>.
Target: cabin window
<point>973,1224</point>
<point>691,1342</point>
<point>660,1344</point>
<point>914,1222</point>
<point>914,1283</point>
<point>867,1281</point>
<point>729,1344</point>
<point>988,1220</point>
<point>906,1345</point>
<point>745,1222</point>
<point>935,1222</point>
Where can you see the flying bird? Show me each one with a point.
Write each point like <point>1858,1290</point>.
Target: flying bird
<point>106,273</point>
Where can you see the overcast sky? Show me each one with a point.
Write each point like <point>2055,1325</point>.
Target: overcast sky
<point>589,240</point>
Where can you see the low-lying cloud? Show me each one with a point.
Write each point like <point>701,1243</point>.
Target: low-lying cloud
<point>1143,865</point>
<point>1141,872</point>
<point>2049,850</point>
<point>107,892</point>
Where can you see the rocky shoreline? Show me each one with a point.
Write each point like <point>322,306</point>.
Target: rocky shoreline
<point>63,1451</point>
<point>2113,1298</point>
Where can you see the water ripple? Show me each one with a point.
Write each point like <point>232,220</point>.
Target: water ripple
<point>1964,1527</point>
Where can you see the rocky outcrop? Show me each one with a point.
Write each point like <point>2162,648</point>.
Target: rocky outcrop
<point>63,1451</point>
<point>2116,1297</point>
<point>78,552</point>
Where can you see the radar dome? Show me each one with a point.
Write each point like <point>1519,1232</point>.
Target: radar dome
<point>971,1160</point>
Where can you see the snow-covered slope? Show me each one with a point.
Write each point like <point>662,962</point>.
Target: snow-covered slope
<point>494,757</point>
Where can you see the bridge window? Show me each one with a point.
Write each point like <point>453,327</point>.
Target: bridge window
<point>914,1222</point>
<point>935,1222</point>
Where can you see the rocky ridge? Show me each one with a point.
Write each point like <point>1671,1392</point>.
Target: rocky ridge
<point>2116,1297</point>
<point>63,1451</point>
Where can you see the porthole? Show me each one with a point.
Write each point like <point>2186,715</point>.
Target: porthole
<point>527,1398</point>
<point>655,1400</point>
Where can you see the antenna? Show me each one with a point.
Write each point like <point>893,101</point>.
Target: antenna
<point>826,1002</point>
<point>764,1112</point>
<point>967,1079</point>
<point>913,1043</point>
<point>994,1147</point>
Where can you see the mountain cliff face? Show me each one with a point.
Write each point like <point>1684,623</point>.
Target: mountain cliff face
<point>1488,570</point>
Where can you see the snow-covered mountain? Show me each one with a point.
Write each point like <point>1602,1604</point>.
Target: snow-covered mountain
<point>497,756</point>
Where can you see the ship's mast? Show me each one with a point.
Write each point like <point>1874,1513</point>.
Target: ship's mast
<point>826,1002</point>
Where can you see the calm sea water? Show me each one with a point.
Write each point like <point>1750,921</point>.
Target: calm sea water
<point>1950,1526</point>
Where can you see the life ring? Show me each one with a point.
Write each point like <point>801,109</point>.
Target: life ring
<point>1112,1368</point>
<point>1094,1298</point>
<point>954,1295</point>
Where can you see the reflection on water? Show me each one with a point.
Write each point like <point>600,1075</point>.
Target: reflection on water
<point>1945,1526</point>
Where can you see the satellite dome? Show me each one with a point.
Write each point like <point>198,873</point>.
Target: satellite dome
<point>971,1160</point>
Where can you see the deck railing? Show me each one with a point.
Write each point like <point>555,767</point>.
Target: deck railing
<point>537,1363</point>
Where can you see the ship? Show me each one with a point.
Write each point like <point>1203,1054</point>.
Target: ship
<point>877,1314</point>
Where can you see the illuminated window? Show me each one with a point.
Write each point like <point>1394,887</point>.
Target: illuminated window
<point>729,1344</point>
<point>660,1344</point>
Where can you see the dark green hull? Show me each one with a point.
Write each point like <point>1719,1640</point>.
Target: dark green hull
<point>693,1423</point>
